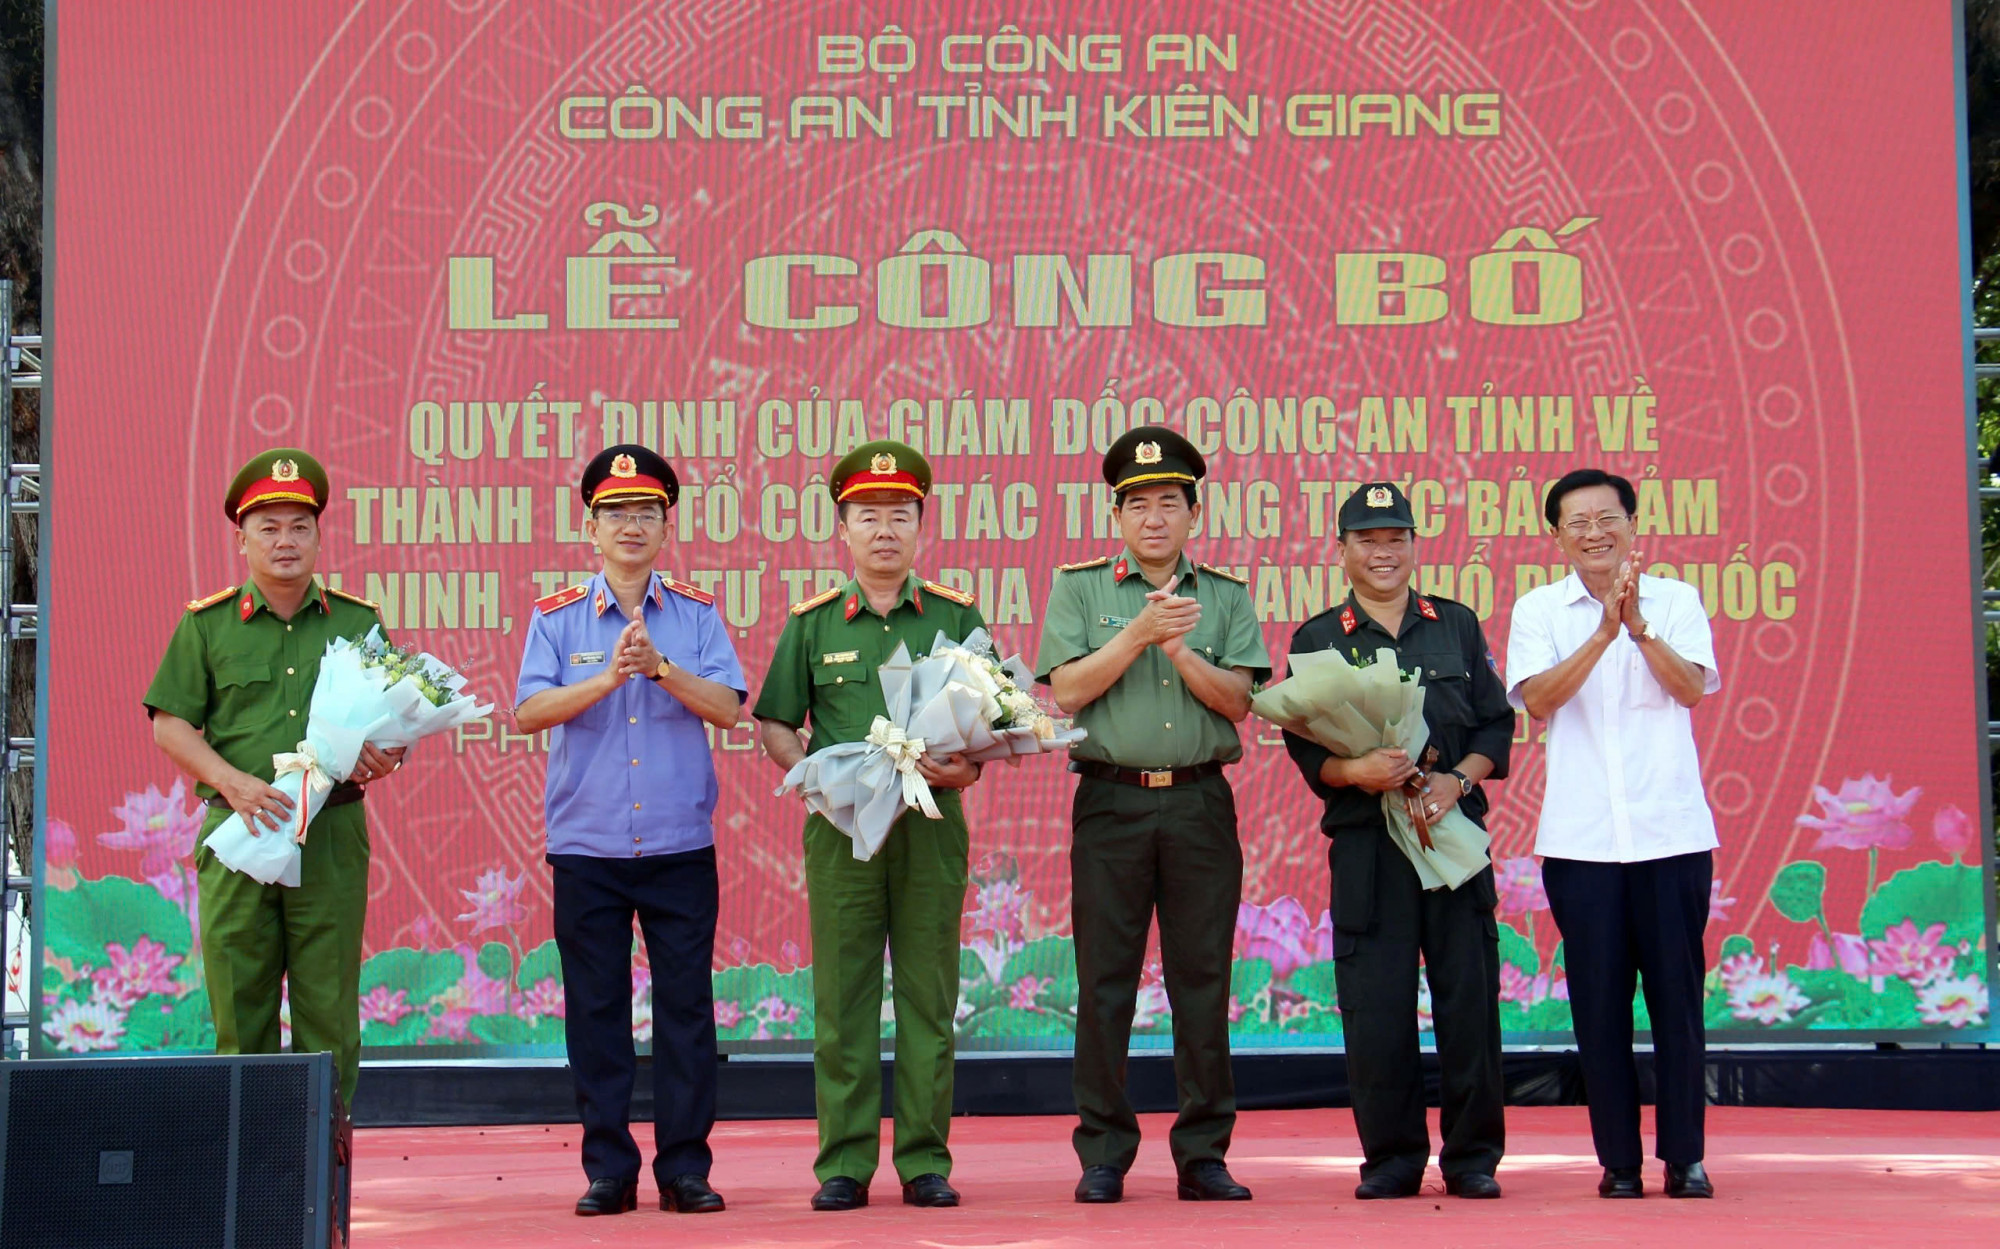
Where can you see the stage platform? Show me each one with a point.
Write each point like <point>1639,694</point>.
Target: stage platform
<point>1783,1177</point>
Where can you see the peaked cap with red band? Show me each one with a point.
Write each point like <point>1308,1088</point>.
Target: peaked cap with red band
<point>1152,455</point>
<point>627,472</point>
<point>280,475</point>
<point>891,468</point>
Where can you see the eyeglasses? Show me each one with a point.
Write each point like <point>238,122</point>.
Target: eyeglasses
<point>1583,526</point>
<point>618,520</point>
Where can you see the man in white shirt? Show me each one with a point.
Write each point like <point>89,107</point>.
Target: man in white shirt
<point>1614,662</point>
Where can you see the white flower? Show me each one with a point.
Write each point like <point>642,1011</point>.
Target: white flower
<point>1957,1001</point>
<point>1766,999</point>
<point>81,1027</point>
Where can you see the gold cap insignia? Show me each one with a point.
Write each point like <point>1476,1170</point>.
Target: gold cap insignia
<point>624,466</point>
<point>1379,496</point>
<point>882,463</point>
<point>1147,453</point>
<point>284,470</point>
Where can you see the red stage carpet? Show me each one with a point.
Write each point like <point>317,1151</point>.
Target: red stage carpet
<point>1784,1177</point>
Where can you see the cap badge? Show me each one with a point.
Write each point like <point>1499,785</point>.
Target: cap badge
<point>284,470</point>
<point>882,463</point>
<point>1379,496</point>
<point>624,466</point>
<point>1147,453</point>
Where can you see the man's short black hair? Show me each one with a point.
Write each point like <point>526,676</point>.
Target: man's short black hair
<point>1584,479</point>
<point>840,509</point>
<point>1188,492</point>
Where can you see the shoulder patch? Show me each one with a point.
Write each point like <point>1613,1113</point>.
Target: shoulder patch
<point>351,597</point>
<point>1224,573</point>
<point>219,596</point>
<point>685,590</point>
<point>950,595</point>
<point>1099,562</point>
<point>562,598</point>
<point>806,605</point>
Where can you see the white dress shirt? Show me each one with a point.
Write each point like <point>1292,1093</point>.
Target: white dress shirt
<point>1622,781</point>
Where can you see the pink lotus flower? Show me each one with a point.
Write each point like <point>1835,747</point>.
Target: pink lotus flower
<point>160,825</point>
<point>380,1005</point>
<point>424,930</point>
<point>1282,935</point>
<point>475,992</point>
<point>1151,1005</point>
<point>452,1024</point>
<point>1951,828</point>
<point>543,998</point>
<point>1022,993</point>
<point>1519,882</point>
<point>642,981</point>
<point>1910,955</point>
<point>128,976</point>
<point>739,949</point>
<point>1000,910</point>
<point>1866,814</point>
<point>992,954</point>
<point>778,1010</point>
<point>81,1027</point>
<point>1737,968</point>
<point>727,1013</point>
<point>59,845</point>
<point>495,900</point>
<point>1767,1000</point>
<point>1848,952</point>
<point>1959,1001</point>
<point>790,953</point>
<point>1236,1009</point>
<point>1718,906</point>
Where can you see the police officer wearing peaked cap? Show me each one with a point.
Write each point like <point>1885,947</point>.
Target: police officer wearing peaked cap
<point>1155,655</point>
<point>626,672</point>
<point>1383,918</point>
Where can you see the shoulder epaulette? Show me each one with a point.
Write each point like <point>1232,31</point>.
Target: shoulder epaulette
<point>352,597</point>
<point>685,590</point>
<point>1099,562</point>
<point>824,596</point>
<point>217,597</point>
<point>562,598</point>
<point>1224,573</point>
<point>946,592</point>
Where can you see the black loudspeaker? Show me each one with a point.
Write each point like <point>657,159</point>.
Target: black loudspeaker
<point>159,1153</point>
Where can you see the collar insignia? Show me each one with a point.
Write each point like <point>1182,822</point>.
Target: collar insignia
<point>1347,621</point>
<point>1426,608</point>
<point>852,607</point>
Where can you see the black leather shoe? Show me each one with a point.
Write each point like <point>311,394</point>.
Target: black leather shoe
<point>1380,1187</point>
<point>608,1197</point>
<point>1473,1186</point>
<point>933,1192</point>
<point>1621,1182</point>
<point>690,1194</point>
<point>1688,1181</point>
<point>841,1193</point>
<point>1210,1181</point>
<point>1100,1186</point>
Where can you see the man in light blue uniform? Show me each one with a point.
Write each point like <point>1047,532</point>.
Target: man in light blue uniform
<point>626,671</point>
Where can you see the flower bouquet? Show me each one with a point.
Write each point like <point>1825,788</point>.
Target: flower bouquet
<point>1352,710</point>
<point>959,699</point>
<point>367,692</point>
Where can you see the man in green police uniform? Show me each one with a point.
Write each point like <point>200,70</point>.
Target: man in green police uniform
<point>1383,917</point>
<point>913,891</point>
<point>233,690</point>
<point>1156,657</point>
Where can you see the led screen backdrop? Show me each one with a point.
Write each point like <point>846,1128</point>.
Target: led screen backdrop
<point>457,247</point>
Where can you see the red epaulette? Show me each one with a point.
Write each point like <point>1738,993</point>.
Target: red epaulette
<point>562,598</point>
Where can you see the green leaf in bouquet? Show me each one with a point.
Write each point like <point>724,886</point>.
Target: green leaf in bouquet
<point>1799,891</point>
<point>1515,948</point>
<point>421,975</point>
<point>80,922</point>
<point>1929,893</point>
<point>541,963</point>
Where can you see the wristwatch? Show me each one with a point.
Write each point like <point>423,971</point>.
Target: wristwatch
<point>1464,782</point>
<point>1647,634</point>
<point>666,666</point>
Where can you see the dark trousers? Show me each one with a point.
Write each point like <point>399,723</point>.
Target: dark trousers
<point>1619,920</point>
<point>1375,973</point>
<point>1137,850</point>
<point>674,897</point>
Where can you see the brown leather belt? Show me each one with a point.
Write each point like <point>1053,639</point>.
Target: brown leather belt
<point>340,796</point>
<point>1147,778</point>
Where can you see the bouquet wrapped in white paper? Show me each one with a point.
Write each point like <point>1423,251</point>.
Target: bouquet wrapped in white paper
<point>368,692</point>
<point>1353,710</point>
<point>959,699</point>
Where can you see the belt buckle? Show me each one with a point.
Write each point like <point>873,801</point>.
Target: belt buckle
<point>1157,780</point>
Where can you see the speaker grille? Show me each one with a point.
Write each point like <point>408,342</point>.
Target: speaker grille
<point>61,1120</point>
<point>272,1135</point>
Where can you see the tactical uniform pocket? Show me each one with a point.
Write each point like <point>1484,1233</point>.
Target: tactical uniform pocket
<point>1448,689</point>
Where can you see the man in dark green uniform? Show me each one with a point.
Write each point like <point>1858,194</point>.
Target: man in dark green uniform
<point>234,689</point>
<point>1382,915</point>
<point>912,892</point>
<point>1156,657</point>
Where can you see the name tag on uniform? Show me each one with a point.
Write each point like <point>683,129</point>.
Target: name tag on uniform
<point>839,657</point>
<point>1114,622</point>
<point>578,659</point>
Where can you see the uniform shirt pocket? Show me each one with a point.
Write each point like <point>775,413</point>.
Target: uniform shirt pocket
<point>850,672</point>
<point>1447,689</point>
<point>236,673</point>
<point>1642,688</point>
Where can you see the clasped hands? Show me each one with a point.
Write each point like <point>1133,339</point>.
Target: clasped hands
<point>1621,603</point>
<point>1166,620</point>
<point>634,655</point>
